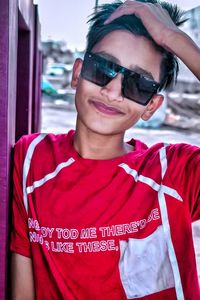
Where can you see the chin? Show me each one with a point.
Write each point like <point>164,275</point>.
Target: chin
<point>103,125</point>
<point>104,129</point>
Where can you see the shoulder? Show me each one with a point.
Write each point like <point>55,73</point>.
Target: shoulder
<point>40,147</point>
<point>31,141</point>
<point>183,153</point>
<point>183,161</point>
<point>25,141</point>
<point>176,156</point>
<point>178,151</point>
<point>41,151</point>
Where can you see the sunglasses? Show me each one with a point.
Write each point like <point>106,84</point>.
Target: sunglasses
<point>135,86</point>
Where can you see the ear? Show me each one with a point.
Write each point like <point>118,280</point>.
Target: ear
<point>76,72</point>
<point>152,106</point>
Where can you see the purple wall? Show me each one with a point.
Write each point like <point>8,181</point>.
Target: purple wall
<point>8,38</point>
<point>18,21</point>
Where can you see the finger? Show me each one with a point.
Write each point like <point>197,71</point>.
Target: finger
<point>127,8</point>
<point>145,11</point>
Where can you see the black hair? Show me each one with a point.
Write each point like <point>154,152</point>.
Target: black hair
<point>97,30</point>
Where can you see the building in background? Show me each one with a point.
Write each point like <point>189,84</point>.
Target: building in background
<point>184,100</point>
<point>192,28</point>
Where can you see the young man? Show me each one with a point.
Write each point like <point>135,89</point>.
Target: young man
<point>94,217</point>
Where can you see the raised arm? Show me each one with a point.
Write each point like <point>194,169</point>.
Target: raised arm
<point>163,30</point>
<point>22,283</point>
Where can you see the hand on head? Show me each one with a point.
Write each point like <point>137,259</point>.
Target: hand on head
<point>154,18</point>
<point>164,29</point>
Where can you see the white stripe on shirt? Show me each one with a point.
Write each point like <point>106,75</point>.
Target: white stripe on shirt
<point>27,163</point>
<point>49,176</point>
<point>162,190</point>
<point>166,227</point>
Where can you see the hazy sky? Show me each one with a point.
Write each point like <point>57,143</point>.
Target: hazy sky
<point>67,19</point>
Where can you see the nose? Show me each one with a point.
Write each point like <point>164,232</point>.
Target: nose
<point>113,90</point>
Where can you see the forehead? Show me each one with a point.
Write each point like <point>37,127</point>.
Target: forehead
<point>131,51</point>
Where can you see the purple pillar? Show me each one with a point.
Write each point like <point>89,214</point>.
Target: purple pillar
<point>8,65</point>
<point>17,32</point>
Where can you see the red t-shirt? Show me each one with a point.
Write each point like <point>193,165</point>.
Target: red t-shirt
<point>107,229</point>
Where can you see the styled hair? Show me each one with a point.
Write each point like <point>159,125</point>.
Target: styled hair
<point>169,65</point>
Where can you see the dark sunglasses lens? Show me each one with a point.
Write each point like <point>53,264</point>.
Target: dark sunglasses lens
<point>101,71</point>
<point>96,70</point>
<point>139,89</point>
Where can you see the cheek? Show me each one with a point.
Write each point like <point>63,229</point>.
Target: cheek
<point>85,89</point>
<point>80,95</point>
<point>131,118</point>
<point>135,111</point>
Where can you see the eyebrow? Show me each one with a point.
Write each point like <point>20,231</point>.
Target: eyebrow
<point>141,71</point>
<point>136,68</point>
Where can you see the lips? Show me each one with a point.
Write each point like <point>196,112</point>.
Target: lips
<point>103,108</point>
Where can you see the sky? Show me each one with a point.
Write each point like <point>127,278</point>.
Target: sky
<point>67,19</point>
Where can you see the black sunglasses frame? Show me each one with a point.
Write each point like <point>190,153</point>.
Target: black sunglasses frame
<point>110,69</point>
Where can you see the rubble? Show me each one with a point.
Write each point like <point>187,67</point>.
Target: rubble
<point>183,111</point>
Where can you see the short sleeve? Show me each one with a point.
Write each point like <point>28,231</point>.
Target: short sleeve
<point>184,170</point>
<point>19,234</point>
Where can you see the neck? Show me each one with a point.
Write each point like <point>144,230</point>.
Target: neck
<point>93,145</point>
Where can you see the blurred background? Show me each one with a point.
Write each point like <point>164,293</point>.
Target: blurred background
<point>63,31</point>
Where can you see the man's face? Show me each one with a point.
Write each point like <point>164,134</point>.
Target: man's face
<point>103,109</point>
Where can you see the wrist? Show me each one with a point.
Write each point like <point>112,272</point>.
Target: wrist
<point>172,38</point>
